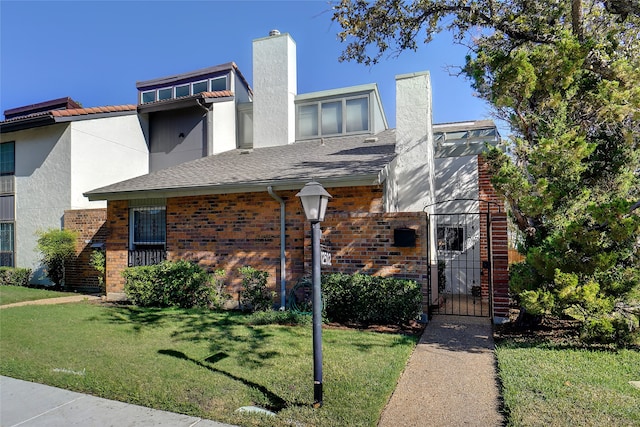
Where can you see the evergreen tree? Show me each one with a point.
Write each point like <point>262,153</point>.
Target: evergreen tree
<point>565,76</point>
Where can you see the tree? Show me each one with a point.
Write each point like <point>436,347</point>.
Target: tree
<point>565,76</point>
<point>56,247</point>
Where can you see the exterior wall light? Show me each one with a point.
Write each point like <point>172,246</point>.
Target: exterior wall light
<point>314,202</point>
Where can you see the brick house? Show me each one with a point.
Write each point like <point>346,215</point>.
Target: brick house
<point>226,162</point>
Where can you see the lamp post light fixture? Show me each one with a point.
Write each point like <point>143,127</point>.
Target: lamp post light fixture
<point>314,201</point>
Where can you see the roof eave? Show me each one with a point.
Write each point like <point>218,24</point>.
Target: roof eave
<point>29,123</point>
<point>247,187</point>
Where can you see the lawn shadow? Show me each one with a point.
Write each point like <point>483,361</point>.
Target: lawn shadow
<point>221,330</point>
<point>276,403</point>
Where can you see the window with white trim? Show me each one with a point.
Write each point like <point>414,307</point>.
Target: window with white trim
<point>332,117</point>
<point>212,84</point>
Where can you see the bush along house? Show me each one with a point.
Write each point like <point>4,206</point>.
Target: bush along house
<point>225,162</point>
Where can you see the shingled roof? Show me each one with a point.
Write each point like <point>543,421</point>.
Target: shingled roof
<point>339,161</point>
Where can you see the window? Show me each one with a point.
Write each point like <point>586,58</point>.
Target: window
<point>6,244</point>
<point>148,226</point>
<point>7,158</point>
<point>450,238</point>
<point>357,114</point>
<point>219,83</point>
<point>203,84</point>
<point>166,93</point>
<point>182,90</point>
<point>307,121</point>
<point>199,87</point>
<point>333,117</point>
<point>148,96</point>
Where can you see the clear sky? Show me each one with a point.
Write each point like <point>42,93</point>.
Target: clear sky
<point>96,51</point>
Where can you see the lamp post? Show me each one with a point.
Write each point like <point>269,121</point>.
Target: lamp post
<point>314,201</point>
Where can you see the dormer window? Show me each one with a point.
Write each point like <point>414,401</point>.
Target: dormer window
<point>219,83</point>
<point>199,87</point>
<point>212,84</point>
<point>332,117</point>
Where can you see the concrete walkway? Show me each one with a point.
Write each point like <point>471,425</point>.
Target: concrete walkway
<point>450,379</point>
<point>59,300</point>
<point>29,404</point>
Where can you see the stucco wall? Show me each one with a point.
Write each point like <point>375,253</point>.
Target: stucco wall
<point>224,127</point>
<point>104,151</point>
<point>414,143</point>
<point>275,88</point>
<point>42,188</point>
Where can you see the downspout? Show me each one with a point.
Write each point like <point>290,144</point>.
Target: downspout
<point>207,148</point>
<point>283,259</point>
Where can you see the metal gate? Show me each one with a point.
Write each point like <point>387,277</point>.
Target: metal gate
<point>459,267</point>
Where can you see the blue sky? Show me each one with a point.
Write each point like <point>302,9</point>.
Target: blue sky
<point>95,51</point>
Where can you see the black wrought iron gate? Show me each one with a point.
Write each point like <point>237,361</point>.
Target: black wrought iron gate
<point>460,267</point>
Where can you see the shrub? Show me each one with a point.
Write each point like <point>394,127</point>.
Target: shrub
<point>15,276</point>
<point>56,246</point>
<point>168,284</point>
<point>284,317</point>
<point>218,295</point>
<point>98,261</point>
<point>255,295</point>
<point>370,299</point>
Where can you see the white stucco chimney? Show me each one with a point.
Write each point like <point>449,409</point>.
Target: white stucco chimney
<point>415,165</point>
<point>274,90</point>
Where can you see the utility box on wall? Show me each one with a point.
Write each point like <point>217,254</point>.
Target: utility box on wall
<point>404,237</point>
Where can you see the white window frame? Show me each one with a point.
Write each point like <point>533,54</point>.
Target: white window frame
<point>155,96</point>
<point>171,88</point>
<point>343,100</point>
<point>226,84</point>
<point>206,82</point>
<point>176,87</point>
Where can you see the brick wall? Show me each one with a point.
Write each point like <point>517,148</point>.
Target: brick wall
<point>90,224</point>
<point>233,230</point>
<point>499,242</point>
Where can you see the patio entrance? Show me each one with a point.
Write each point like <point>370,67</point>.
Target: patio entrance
<point>459,268</point>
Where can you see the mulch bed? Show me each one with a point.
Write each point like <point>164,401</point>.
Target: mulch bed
<point>412,328</point>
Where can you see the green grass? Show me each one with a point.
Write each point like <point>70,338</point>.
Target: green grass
<point>12,294</point>
<point>203,363</point>
<point>545,385</point>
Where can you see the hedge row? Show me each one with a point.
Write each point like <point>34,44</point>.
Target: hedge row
<point>370,299</point>
<point>15,276</point>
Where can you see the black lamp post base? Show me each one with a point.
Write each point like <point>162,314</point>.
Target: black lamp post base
<point>317,395</point>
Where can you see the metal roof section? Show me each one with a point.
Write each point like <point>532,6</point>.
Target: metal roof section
<point>464,138</point>
<point>336,162</point>
<point>41,107</point>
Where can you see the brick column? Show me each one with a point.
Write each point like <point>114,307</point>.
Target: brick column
<point>499,262</point>
<point>500,266</point>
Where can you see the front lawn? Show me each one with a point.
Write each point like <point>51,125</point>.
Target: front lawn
<point>548,384</point>
<point>203,363</point>
<point>13,294</point>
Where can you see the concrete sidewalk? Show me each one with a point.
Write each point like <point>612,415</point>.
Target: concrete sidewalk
<point>59,300</point>
<point>29,404</point>
<point>450,379</point>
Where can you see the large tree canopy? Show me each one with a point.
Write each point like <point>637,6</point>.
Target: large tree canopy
<point>565,75</point>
